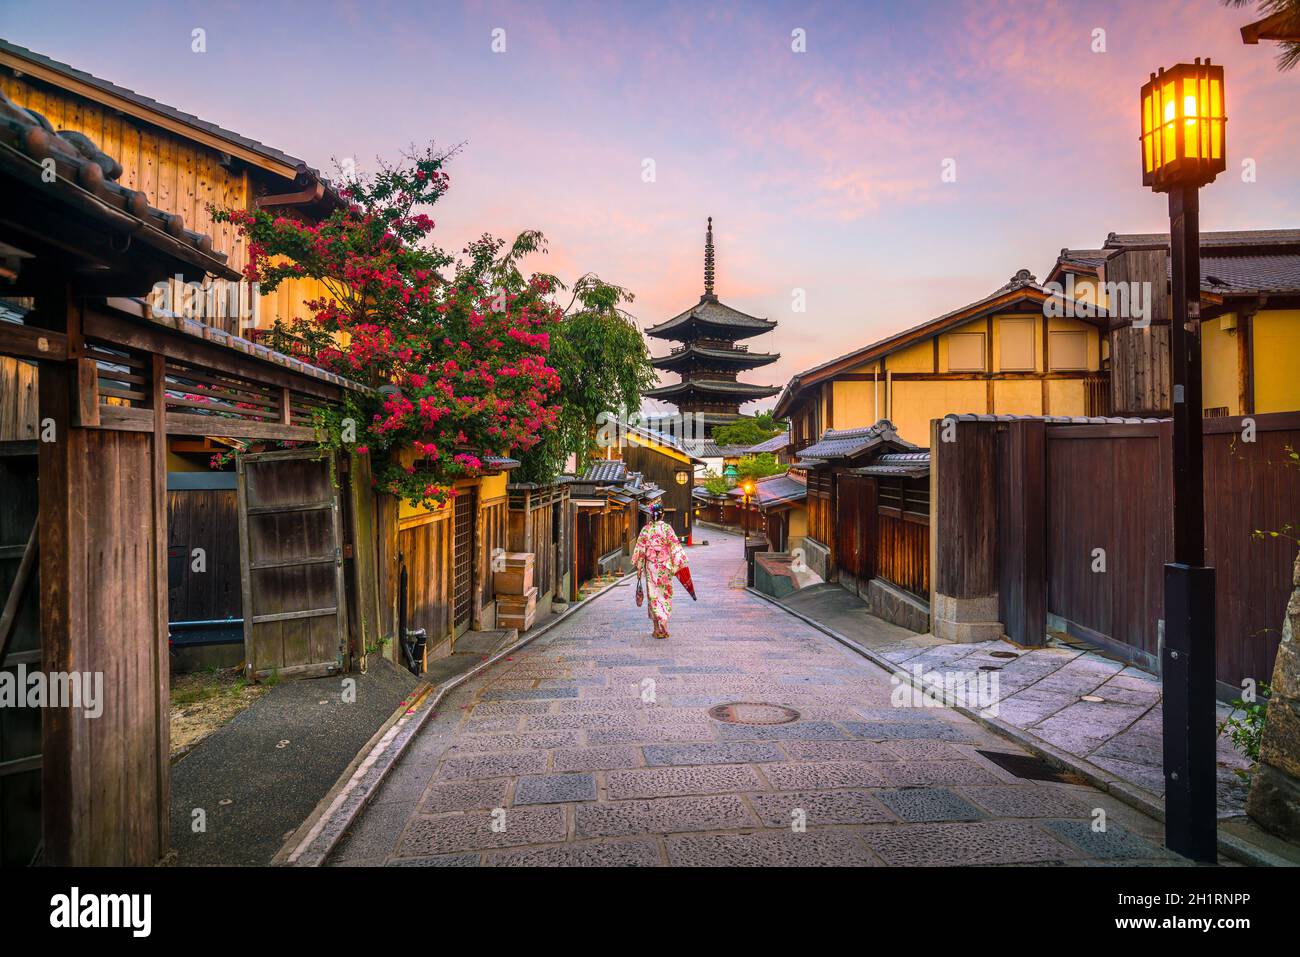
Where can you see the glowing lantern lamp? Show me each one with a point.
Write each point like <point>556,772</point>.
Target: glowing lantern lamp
<point>1183,148</point>
<point>1183,124</point>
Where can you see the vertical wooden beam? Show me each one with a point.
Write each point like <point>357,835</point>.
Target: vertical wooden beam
<point>87,404</point>
<point>1047,389</point>
<point>1246,359</point>
<point>161,656</point>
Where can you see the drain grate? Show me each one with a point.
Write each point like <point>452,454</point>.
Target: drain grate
<point>753,712</point>
<point>1030,768</point>
<point>1003,654</point>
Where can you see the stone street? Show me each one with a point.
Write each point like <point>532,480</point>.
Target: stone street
<point>595,746</point>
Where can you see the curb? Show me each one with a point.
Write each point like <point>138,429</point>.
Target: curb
<point>315,839</point>
<point>1229,845</point>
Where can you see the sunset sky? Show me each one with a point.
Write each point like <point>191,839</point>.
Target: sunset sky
<point>821,169</point>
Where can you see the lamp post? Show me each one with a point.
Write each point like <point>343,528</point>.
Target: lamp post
<point>1183,149</point>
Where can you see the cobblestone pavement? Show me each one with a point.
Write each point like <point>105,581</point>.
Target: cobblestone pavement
<point>595,746</point>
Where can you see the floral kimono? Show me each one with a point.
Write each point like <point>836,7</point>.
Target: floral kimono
<point>657,558</point>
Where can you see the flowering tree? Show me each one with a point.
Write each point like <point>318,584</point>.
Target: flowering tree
<point>460,364</point>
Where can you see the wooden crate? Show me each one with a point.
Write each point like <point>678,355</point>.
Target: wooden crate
<point>517,611</point>
<point>516,578</point>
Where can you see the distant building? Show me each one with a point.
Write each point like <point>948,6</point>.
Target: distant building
<point>708,360</point>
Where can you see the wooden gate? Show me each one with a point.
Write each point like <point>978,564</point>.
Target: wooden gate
<point>462,598</point>
<point>20,646</point>
<point>291,558</point>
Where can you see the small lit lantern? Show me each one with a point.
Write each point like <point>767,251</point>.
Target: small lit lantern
<point>1183,127</point>
<point>749,488</point>
<point>682,476</point>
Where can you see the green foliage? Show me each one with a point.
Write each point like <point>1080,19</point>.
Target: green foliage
<point>759,466</point>
<point>1289,50</point>
<point>603,365</point>
<point>716,484</point>
<point>1247,730</point>
<point>749,430</point>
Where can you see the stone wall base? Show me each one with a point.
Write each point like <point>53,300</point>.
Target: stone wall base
<point>966,619</point>
<point>1274,801</point>
<point>891,603</point>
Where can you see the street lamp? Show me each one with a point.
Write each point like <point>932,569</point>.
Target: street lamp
<point>1183,148</point>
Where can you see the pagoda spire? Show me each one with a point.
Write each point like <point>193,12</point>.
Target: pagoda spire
<point>708,262</point>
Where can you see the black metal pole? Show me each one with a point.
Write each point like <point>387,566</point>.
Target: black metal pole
<point>1187,663</point>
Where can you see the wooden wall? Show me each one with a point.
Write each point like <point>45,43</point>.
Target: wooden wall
<point>18,395</point>
<point>662,469</point>
<point>205,518</point>
<point>425,546</point>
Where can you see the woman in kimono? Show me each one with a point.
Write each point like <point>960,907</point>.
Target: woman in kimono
<point>658,556</point>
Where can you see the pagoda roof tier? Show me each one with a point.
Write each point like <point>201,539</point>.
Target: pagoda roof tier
<point>693,354</point>
<point>710,318</point>
<point>722,388</point>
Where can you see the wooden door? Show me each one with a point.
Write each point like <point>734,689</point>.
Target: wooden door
<point>291,562</point>
<point>462,600</point>
<point>20,647</point>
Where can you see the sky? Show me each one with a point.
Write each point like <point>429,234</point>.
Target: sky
<point>618,128</point>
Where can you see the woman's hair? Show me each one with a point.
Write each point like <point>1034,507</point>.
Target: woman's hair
<point>656,512</point>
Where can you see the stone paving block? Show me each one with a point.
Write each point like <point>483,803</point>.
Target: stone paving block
<point>700,670</point>
<point>636,853</point>
<point>447,833</point>
<point>971,844</point>
<point>893,730</point>
<point>812,848</point>
<point>527,694</point>
<point>443,860</point>
<point>597,759</point>
<point>602,721</point>
<point>491,725</point>
<point>628,703</point>
<point>794,731</point>
<point>675,781</point>
<point>375,834</point>
<point>735,752</point>
<point>1115,843</point>
<point>497,708</point>
<point>464,796</point>
<point>929,804</point>
<point>938,773</point>
<point>541,740</point>
<point>819,807</point>
<point>923,750</point>
<point>646,735</point>
<point>1029,801</point>
<point>824,774</point>
<point>555,789</point>
<point>495,764</point>
<point>867,751</point>
<point>664,816</point>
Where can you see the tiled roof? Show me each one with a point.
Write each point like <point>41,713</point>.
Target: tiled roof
<point>1222,239</point>
<point>1251,274</point>
<point>721,386</point>
<point>608,471</point>
<point>775,444</point>
<point>714,313</point>
<point>846,443</point>
<point>775,490</point>
<point>905,464</point>
<point>737,357</point>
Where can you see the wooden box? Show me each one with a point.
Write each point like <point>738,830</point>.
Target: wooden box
<point>517,576</point>
<point>517,611</point>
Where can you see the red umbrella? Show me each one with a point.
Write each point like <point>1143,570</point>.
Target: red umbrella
<point>684,576</point>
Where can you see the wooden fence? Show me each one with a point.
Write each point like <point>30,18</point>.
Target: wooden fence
<point>1080,517</point>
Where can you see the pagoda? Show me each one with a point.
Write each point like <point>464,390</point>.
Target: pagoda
<point>708,358</point>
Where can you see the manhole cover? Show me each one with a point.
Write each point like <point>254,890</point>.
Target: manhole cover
<point>750,712</point>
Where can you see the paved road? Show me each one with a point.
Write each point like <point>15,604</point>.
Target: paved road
<point>595,746</point>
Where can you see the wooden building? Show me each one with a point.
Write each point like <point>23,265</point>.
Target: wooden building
<point>868,523</point>
<point>665,464</point>
<point>775,508</point>
<point>87,574</point>
<point>1250,318</point>
<point>1001,354</point>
